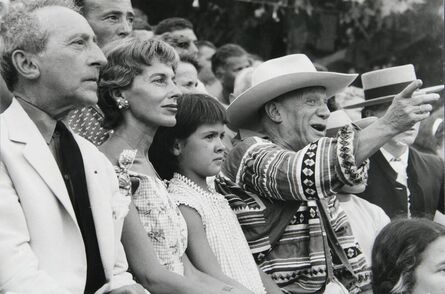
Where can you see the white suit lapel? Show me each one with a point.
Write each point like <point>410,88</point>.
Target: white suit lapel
<point>21,129</point>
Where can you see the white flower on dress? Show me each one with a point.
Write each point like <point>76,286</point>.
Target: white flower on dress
<point>120,205</point>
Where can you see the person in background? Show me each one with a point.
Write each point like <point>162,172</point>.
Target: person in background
<point>176,25</point>
<point>187,155</point>
<point>351,95</point>
<point>138,95</point>
<point>61,211</point>
<point>182,43</point>
<point>409,257</point>
<point>402,180</point>
<point>243,81</point>
<point>110,20</point>
<point>141,27</point>
<point>227,62</point>
<point>281,182</point>
<point>186,75</point>
<point>366,219</point>
<point>430,138</point>
<point>206,49</point>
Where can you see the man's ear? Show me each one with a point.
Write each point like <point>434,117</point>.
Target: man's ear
<point>273,111</point>
<point>26,64</point>
<point>219,73</point>
<point>177,147</point>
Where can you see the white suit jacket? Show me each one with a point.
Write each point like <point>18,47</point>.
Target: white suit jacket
<point>41,247</point>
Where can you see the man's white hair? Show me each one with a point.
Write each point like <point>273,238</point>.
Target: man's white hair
<point>21,30</point>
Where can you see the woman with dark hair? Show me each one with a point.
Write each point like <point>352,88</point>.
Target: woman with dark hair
<point>137,94</point>
<point>409,257</point>
<point>189,155</point>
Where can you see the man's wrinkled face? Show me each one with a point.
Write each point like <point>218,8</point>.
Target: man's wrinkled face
<point>304,114</point>
<point>69,65</point>
<point>110,19</point>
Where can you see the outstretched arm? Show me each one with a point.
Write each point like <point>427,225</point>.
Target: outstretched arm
<point>406,110</point>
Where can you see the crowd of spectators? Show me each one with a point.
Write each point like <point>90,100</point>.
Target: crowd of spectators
<point>137,158</point>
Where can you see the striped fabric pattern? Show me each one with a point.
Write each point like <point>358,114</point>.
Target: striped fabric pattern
<point>260,179</point>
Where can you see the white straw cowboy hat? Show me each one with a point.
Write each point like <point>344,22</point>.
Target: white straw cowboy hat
<point>276,77</point>
<point>340,118</point>
<point>382,85</point>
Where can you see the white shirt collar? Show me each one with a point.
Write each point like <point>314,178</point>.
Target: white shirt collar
<point>403,158</point>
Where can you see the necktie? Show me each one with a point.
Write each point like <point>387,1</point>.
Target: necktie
<point>73,171</point>
<point>402,178</point>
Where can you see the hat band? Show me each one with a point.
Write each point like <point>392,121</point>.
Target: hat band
<point>389,90</point>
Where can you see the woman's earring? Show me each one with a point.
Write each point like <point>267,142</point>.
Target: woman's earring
<point>122,103</point>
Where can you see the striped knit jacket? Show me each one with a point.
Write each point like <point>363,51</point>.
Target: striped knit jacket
<point>277,195</point>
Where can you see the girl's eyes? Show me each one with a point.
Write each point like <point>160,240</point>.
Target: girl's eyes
<point>215,135</point>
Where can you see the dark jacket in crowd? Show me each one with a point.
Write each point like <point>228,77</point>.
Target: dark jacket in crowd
<point>425,182</point>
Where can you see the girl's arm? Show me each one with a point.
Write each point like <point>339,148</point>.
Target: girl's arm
<point>199,251</point>
<point>209,282</point>
<point>145,265</point>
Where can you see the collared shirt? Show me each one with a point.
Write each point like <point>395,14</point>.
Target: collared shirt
<point>400,166</point>
<point>45,124</point>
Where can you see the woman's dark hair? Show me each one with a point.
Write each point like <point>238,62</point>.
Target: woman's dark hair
<point>126,59</point>
<point>194,110</point>
<point>398,251</point>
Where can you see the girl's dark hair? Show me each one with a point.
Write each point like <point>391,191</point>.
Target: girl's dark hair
<point>398,251</point>
<point>194,110</point>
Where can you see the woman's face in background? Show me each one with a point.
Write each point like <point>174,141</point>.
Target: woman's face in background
<point>430,274</point>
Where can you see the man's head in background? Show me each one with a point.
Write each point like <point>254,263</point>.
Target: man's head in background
<point>110,19</point>
<point>186,75</point>
<point>227,62</point>
<point>176,25</point>
<point>206,50</point>
<point>181,43</point>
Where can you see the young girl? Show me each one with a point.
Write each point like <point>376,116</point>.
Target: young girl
<point>187,155</point>
<point>137,94</point>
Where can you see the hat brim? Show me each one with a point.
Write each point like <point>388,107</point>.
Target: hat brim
<point>380,100</point>
<point>243,111</point>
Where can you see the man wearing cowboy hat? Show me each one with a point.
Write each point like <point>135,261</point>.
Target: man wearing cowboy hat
<point>280,182</point>
<point>402,181</point>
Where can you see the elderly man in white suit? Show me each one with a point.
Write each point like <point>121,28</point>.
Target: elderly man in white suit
<point>50,233</point>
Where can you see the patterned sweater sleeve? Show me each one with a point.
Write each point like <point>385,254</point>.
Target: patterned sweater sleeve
<point>314,172</point>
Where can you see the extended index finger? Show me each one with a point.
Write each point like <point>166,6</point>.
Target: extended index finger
<point>409,90</point>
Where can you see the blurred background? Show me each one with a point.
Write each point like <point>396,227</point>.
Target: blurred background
<point>342,35</point>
